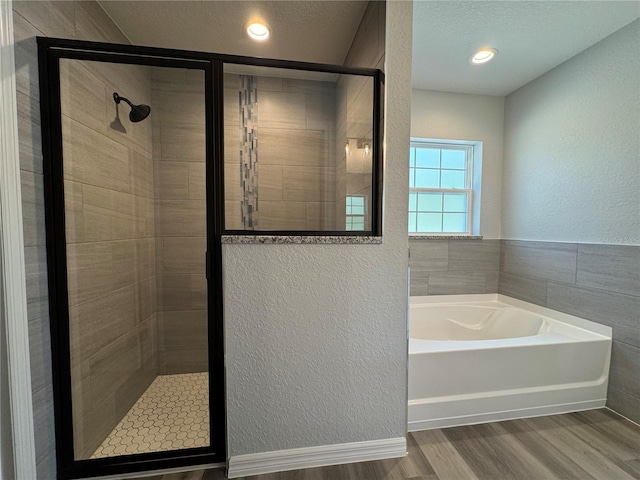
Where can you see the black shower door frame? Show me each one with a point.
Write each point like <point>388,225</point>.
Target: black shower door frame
<point>50,52</point>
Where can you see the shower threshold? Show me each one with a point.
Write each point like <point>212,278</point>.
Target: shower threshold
<point>172,414</point>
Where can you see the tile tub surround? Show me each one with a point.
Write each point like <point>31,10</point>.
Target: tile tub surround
<point>180,210</point>
<point>453,266</point>
<point>597,282</point>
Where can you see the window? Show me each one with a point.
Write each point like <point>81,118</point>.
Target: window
<point>440,188</point>
<point>355,214</point>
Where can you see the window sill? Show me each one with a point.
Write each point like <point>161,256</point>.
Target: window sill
<point>301,239</point>
<point>445,237</point>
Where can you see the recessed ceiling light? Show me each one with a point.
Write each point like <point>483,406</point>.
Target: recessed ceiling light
<point>258,31</point>
<point>484,55</point>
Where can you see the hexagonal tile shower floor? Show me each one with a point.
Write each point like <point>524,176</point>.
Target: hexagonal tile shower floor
<point>172,414</point>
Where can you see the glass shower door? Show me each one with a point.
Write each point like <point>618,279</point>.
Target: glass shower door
<point>136,236</point>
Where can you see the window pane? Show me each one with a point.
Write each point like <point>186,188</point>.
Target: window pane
<point>431,202</point>
<point>428,157</point>
<point>453,179</point>
<point>412,177</point>
<point>427,178</point>
<point>429,222</point>
<point>412,157</point>
<point>455,222</point>
<point>357,201</point>
<point>413,199</point>
<point>412,222</point>
<point>454,159</point>
<point>455,202</point>
<point>357,209</point>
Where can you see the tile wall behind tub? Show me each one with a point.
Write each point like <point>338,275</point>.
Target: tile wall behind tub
<point>596,282</point>
<point>454,267</point>
<point>66,19</point>
<point>180,193</point>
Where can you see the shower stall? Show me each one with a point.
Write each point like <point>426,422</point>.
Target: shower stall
<point>152,157</point>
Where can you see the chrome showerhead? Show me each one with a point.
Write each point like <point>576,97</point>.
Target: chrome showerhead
<point>137,113</point>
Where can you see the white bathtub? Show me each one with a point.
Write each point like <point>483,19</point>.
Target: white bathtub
<point>481,358</point>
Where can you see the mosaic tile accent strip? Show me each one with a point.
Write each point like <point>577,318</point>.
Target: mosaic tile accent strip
<point>172,414</point>
<point>249,150</point>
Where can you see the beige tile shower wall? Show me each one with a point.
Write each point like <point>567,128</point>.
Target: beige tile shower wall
<point>180,209</point>
<point>296,164</point>
<point>354,111</point>
<point>110,232</point>
<point>232,187</point>
<point>66,19</point>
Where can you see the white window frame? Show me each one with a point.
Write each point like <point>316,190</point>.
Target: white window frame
<point>364,215</point>
<point>471,153</point>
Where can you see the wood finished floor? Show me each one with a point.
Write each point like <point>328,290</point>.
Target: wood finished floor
<point>596,444</point>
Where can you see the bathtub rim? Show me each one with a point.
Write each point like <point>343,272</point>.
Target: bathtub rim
<point>506,404</point>
<point>488,298</point>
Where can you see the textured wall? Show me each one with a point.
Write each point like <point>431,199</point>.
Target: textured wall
<point>572,149</point>
<point>180,209</point>
<point>110,245</point>
<point>456,116</point>
<point>81,20</point>
<point>597,282</point>
<point>316,334</point>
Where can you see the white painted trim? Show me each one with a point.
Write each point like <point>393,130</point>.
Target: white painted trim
<point>14,291</point>
<point>417,425</point>
<point>310,457</point>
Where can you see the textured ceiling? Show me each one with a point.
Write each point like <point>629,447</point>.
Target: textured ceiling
<point>315,31</point>
<point>532,37</point>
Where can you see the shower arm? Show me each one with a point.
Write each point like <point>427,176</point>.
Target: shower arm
<point>117,98</point>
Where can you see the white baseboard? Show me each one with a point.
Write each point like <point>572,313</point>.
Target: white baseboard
<point>310,457</point>
<point>418,425</point>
